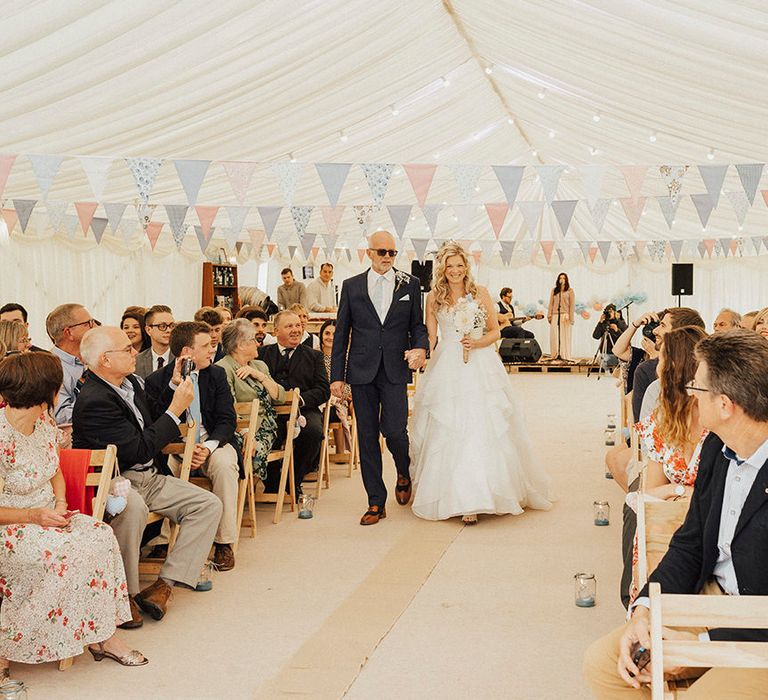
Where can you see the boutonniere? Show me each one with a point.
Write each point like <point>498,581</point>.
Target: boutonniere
<point>401,278</point>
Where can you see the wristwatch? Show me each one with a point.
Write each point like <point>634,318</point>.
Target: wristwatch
<point>679,490</point>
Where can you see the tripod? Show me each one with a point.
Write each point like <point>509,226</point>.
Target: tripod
<point>602,349</point>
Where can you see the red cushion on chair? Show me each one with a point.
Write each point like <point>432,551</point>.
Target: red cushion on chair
<point>74,466</point>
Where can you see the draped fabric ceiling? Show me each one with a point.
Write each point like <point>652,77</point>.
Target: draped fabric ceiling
<point>455,82</point>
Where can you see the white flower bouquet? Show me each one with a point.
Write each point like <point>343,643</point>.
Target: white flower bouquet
<point>469,317</point>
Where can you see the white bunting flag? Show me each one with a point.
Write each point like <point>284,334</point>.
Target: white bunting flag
<point>740,205</point>
<point>549,176</point>
<point>237,217</point>
<point>465,213</point>
<point>585,246</point>
<point>96,169</point>
<point>45,168</point>
<point>176,214</point>
<point>592,177</point>
<point>633,209</point>
<point>114,212</point>
<point>599,211</point>
<point>56,211</point>
<point>431,212</point>
<point>673,179</point>
<point>288,175</point>
<point>467,177</point>
<point>239,174</point>
<point>301,218</point>
<point>713,177</point>
<point>332,217</point>
<point>144,171</point>
<point>363,216</point>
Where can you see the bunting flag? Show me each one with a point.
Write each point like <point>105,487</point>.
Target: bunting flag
<point>420,176</point>
<point>176,214</point>
<point>713,177</point>
<point>6,163</point>
<point>599,211</point>
<point>657,250</point>
<point>271,249</point>
<point>269,217</point>
<point>236,219</point>
<point>85,212</point>
<point>420,246</point>
<point>399,214</point>
<point>585,247</point>
<point>153,230</point>
<point>757,242</point>
<point>45,168</point>
<point>307,243</point>
<point>709,246</point>
<point>239,175</point>
<point>531,212</point>
<point>361,254</point>
<point>330,244</point>
<point>465,213</point>
<point>750,174</point>
<point>332,217</point>
<point>301,217</point>
<point>363,215</point>
<point>288,175</point>
<point>634,176</point>
<point>592,177</point>
<point>740,205</point>
<point>144,171</point>
<point>98,225</point>
<point>677,248</point>
<point>467,176</point>
<point>488,248</point>
<point>549,176</point>
<point>497,213</point>
<point>56,211</point>
<point>206,215</point>
<point>668,208</point>
<point>24,209</point>
<point>639,247</point>
<point>114,212</point>
<point>547,247</point>
<point>203,239</point>
<point>725,246</point>
<point>633,210</point>
<point>564,209</point>
<point>70,224</point>
<point>507,249</point>
<point>96,169</point>
<point>765,196</point>
<point>292,251</point>
<point>509,177</point>
<point>378,176</point>
<point>560,255</point>
<point>476,256</point>
<point>431,212</point>
<point>703,204</point>
<point>191,175</point>
<point>10,217</point>
<point>702,249</point>
<point>673,179</point>
<point>605,248</point>
<point>257,238</point>
<point>333,176</point>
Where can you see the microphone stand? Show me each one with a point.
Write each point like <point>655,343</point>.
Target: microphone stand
<point>559,318</point>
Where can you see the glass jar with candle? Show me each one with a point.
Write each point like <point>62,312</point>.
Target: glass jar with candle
<point>13,690</point>
<point>610,437</point>
<point>585,590</point>
<point>306,504</point>
<point>611,424</point>
<point>602,511</point>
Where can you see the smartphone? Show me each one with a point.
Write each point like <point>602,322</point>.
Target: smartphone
<point>641,656</point>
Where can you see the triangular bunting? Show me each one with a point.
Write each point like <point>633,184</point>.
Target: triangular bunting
<point>599,211</point>
<point>420,246</point>
<point>85,212</point>
<point>673,179</point>
<point>750,174</point>
<point>531,212</point>
<point>307,243</point>
<point>239,175</point>
<point>24,209</point>
<point>202,239</point>
<point>507,249</point>
<point>639,247</point>
<point>547,247</point>
<point>497,213</point>
<point>725,246</point>
<point>236,221</point>
<point>564,213</point>
<point>10,217</point>
<point>361,254</point>
<point>70,224</point>
<point>702,249</point>
<point>96,169</point>
<point>420,176</point>
<point>98,224</point>
<point>332,217</point>
<point>271,249</point>
<point>509,177</point>
<point>560,255</point>
<point>605,248</point>
<point>765,196</point>
<point>288,175</point>
<point>144,171</point>
<point>191,174</point>
<point>205,216</point>
<point>677,248</point>
<point>585,246</point>
<point>114,212</point>
<point>431,212</point>
<point>6,163</point>
<point>45,168</point>
<point>634,176</point>
<point>713,177</point>
<point>757,242</point>
<point>330,244</point>
<point>709,245</point>
<point>292,251</point>
<point>668,209</point>
<point>703,204</point>
<point>269,217</point>
<point>363,215</point>
<point>740,205</point>
<point>176,214</point>
<point>467,177</point>
<point>377,175</point>
<point>333,176</point>
<point>488,248</point>
<point>633,210</point>
<point>153,230</point>
<point>56,211</point>
<point>549,176</point>
<point>257,238</point>
<point>592,177</point>
<point>466,216</point>
<point>399,214</point>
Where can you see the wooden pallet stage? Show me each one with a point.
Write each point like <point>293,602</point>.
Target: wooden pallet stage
<point>543,367</point>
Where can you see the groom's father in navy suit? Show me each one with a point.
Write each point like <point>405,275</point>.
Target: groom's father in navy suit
<point>380,338</point>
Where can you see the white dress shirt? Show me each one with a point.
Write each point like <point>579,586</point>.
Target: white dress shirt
<point>388,290</point>
<point>321,296</point>
<point>166,356</point>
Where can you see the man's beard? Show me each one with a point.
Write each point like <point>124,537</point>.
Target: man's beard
<point>260,338</point>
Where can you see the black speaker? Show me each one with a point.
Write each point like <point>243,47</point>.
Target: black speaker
<point>682,279</point>
<point>519,350</point>
<point>424,272</point>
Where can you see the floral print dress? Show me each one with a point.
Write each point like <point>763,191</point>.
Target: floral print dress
<point>60,589</point>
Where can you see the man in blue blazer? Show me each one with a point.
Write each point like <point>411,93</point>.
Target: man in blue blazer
<point>380,338</point>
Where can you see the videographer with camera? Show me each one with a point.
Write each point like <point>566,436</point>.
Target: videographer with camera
<point>608,329</point>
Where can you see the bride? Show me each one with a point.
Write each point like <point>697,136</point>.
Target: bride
<point>469,450</point>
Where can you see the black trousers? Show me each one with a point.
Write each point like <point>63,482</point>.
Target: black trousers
<point>306,449</point>
<point>515,332</point>
<point>381,407</point>
<point>629,526</point>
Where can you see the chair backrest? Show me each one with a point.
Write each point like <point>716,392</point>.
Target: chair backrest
<point>667,610</point>
<point>657,521</point>
<point>185,448</point>
<point>247,420</point>
<point>101,470</point>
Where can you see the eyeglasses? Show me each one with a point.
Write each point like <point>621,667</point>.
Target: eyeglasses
<point>91,322</point>
<point>162,327</point>
<point>690,388</point>
<point>128,349</point>
<point>384,252</point>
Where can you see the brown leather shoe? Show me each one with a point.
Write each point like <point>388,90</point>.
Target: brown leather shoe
<point>373,515</point>
<point>223,557</point>
<point>403,490</point>
<point>136,619</point>
<point>153,600</point>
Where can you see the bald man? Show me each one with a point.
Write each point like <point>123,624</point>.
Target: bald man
<point>380,338</point>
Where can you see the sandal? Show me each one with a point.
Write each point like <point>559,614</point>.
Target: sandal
<point>469,520</point>
<point>132,658</point>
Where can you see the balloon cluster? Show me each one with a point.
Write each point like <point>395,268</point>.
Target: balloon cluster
<point>583,308</point>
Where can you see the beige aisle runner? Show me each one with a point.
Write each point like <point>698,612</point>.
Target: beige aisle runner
<point>326,665</point>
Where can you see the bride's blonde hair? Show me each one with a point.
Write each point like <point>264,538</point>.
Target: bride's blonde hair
<point>441,293</point>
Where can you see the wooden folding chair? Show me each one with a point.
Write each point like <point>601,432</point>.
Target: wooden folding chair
<point>285,456</point>
<point>247,423</point>
<point>323,474</point>
<point>657,521</point>
<point>668,610</point>
<point>347,457</point>
<point>100,474</point>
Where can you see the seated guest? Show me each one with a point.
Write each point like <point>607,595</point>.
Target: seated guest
<point>722,547</point>
<point>761,323</point>
<point>50,553</point>
<point>340,411</point>
<point>132,323</point>
<point>214,319</point>
<point>297,366</point>
<point>509,325</point>
<point>249,379</point>
<point>225,312</point>
<point>748,320</point>
<point>15,337</point>
<point>321,295</point>
<point>290,291</point>
<point>258,317</point>
<point>66,325</point>
<point>158,323</point>
<point>112,409</point>
<point>216,454</point>
<point>307,338</point>
<point>16,312</point>
<point>727,320</point>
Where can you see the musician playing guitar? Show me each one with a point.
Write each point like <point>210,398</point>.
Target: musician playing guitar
<point>512,326</point>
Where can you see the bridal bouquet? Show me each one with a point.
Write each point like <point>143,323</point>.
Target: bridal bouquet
<point>468,316</point>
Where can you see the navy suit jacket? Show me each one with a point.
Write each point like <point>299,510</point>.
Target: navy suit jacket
<point>362,342</point>
<point>306,372</point>
<point>692,554</point>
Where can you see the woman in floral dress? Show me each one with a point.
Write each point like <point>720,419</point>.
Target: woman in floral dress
<point>61,575</point>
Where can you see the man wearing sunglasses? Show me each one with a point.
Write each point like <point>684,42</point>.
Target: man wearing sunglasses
<point>380,338</point>
<point>159,323</point>
<point>66,325</point>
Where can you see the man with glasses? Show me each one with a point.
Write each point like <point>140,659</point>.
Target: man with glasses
<point>159,323</point>
<point>66,325</point>
<point>380,338</point>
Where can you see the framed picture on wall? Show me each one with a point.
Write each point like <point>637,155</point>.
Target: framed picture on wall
<point>308,272</point>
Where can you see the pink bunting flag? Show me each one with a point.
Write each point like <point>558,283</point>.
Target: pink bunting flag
<point>634,176</point>
<point>153,230</point>
<point>206,215</point>
<point>239,175</point>
<point>6,163</point>
<point>497,213</point>
<point>420,175</point>
<point>257,237</point>
<point>709,244</point>
<point>332,217</point>
<point>271,249</point>
<point>315,251</point>
<point>477,254</point>
<point>762,192</point>
<point>11,218</point>
<point>592,253</point>
<point>547,247</point>
<point>633,209</point>
<point>85,212</point>
<point>734,246</point>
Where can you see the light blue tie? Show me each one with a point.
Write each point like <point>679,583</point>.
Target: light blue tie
<point>378,296</point>
<point>194,407</point>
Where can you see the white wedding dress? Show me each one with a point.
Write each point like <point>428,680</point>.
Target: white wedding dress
<point>470,452</point>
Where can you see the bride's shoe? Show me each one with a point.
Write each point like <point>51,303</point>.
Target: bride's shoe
<point>469,520</point>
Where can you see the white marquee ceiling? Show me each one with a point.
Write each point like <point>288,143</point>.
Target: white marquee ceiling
<point>238,80</point>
